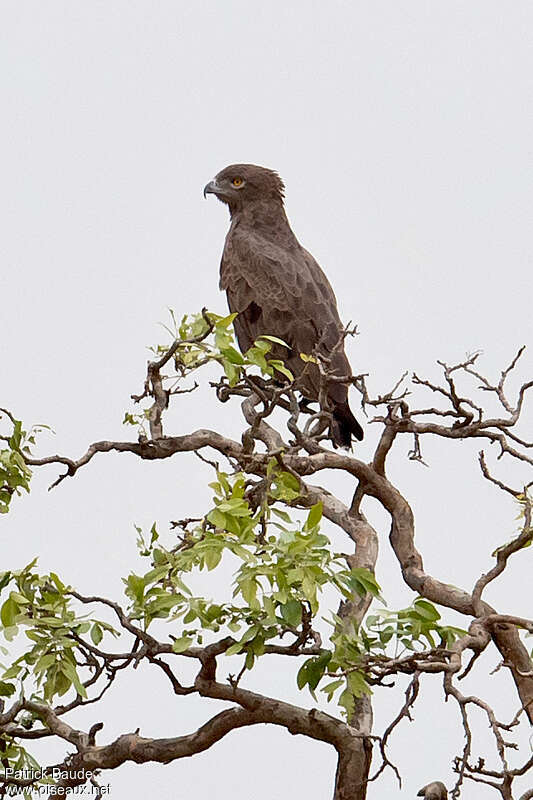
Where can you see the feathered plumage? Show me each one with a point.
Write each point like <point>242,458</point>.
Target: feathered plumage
<point>276,287</point>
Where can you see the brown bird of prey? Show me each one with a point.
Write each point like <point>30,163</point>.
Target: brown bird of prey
<point>277,288</point>
<point>433,791</point>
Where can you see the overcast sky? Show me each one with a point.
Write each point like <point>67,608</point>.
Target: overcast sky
<point>403,132</point>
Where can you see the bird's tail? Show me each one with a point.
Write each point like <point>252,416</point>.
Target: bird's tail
<point>343,426</point>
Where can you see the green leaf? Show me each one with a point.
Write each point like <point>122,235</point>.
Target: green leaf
<point>426,610</point>
<point>136,586</point>
<point>231,371</point>
<point>347,701</point>
<point>212,558</point>
<point>314,517</point>
<point>9,612</point>
<point>233,355</point>
<point>13,671</point>
<point>279,366</point>
<point>291,611</point>
<point>19,598</point>
<point>57,683</point>
<point>332,687</point>
<point>96,634</point>
<point>250,660</point>
<point>83,628</point>
<point>14,441</point>
<point>363,581</point>
<point>60,586</point>
<point>287,486</point>
<point>217,518</point>
<point>45,662</point>
<point>312,670</point>
<point>301,678</point>
<point>182,644</point>
<point>6,689</point>
<point>69,670</point>
<point>276,340</point>
<point>358,684</point>
<point>4,580</point>
<point>248,588</point>
<point>34,636</point>
<point>316,667</point>
<point>234,649</point>
<point>225,322</point>
<point>262,346</point>
<point>386,635</point>
<point>309,590</point>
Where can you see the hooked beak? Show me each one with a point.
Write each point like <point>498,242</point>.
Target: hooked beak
<point>211,188</point>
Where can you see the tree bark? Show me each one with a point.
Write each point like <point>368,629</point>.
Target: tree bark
<point>353,766</point>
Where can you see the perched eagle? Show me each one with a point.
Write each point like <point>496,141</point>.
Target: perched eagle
<point>277,288</point>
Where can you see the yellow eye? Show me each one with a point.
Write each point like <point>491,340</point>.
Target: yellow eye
<point>237,181</point>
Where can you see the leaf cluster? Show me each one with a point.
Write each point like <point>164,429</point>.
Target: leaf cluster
<point>281,569</point>
<point>15,474</point>
<point>41,606</point>
<point>385,635</point>
<point>408,630</point>
<point>203,338</point>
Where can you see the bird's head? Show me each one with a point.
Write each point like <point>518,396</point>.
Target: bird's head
<point>244,184</point>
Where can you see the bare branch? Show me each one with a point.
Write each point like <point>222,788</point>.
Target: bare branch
<point>502,556</point>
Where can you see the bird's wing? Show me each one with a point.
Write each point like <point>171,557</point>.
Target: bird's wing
<point>260,281</point>
<point>283,292</point>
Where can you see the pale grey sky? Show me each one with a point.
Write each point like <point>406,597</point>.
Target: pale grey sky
<point>403,131</point>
